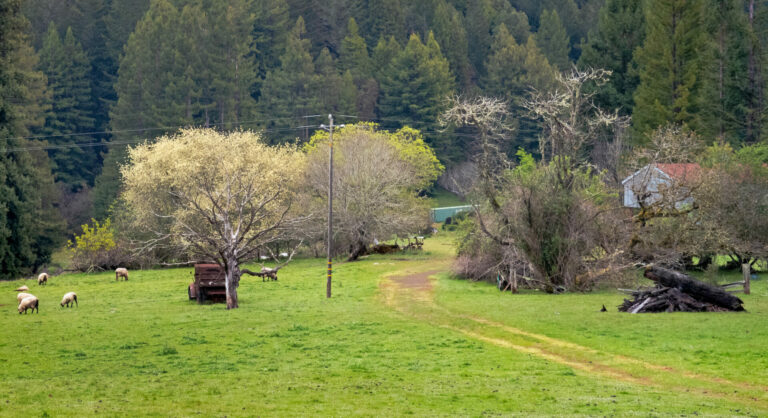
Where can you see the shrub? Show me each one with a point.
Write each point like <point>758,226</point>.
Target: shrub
<point>96,248</point>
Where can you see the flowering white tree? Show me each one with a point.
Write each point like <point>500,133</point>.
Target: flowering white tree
<point>220,197</point>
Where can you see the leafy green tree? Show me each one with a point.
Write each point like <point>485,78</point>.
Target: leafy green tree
<point>379,174</point>
<point>29,226</point>
<point>67,68</point>
<point>553,40</point>
<point>620,30</point>
<point>670,64</point>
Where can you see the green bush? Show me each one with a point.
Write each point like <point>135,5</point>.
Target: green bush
<point>96,248</point>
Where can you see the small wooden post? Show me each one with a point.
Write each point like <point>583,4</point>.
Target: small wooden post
<point>746,270</point>
<point>514,279</point>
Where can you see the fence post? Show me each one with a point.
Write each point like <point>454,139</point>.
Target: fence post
<point>746,270</point>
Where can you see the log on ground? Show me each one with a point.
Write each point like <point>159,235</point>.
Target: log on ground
<point>677,292</point>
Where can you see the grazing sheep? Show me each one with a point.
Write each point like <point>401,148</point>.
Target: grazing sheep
<point>69,298</point>
<point>21,296</point>
<point>121,272</point>
<point>42,279</point>
<point>30,302</point>
<point>22,289</point>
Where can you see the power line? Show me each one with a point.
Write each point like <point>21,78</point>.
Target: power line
<point>113,143</point>
<point>156,128</point>
<point>241,124</point>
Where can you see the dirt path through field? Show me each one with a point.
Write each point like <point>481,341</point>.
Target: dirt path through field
<point>412,294</point>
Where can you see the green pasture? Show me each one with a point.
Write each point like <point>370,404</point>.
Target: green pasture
<point>441,198</point>
<point>142,348</point>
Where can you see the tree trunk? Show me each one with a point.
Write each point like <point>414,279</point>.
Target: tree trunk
<point>695,288</point>
<point>358,250</point>
<point>231,282</point>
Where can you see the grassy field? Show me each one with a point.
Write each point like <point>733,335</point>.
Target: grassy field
<point>399,337</point>
<point>442,198</point>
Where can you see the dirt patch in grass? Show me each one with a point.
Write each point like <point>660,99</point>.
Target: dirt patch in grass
<point>418,281</point>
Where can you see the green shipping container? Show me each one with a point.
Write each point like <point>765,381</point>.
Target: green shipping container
<point>440,214</point>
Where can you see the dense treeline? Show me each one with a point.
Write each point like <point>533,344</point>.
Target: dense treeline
<point>112,72</point>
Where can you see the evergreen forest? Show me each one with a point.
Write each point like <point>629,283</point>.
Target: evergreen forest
<point>80,80</point>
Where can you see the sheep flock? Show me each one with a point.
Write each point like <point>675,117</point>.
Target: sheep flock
<point>28,301</point>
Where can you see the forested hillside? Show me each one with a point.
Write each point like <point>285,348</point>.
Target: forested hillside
<point>82,79</point>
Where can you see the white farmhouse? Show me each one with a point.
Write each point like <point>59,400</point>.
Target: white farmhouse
<point>660,182</point>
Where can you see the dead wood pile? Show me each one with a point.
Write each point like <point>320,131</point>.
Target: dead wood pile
<point>677,292</point>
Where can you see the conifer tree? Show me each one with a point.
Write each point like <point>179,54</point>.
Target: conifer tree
<point>725,108</point>
<point>384,55</point>
<point>448,27</point>
<point>415,89</point>
<point>513,71</point>
<point>478,21</point>
<point>67,68</point>
<point>336,92</point>
<point>33,101</point>
<point>620,30</point>
<point>384,18</point>
<point>354,53</point>
<point>515,20</point>
<point>757,21</point>
<point>553,40</point>
<point>290,91</point>
<point>670,64</point>
<point>270,30</point>
<point>118,23</point>
<point>29,227</point>
<point>354,59</point>
<point>181,67</point>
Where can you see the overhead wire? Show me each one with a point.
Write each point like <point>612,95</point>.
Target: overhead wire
<point>133,141</point>
<point>239,124</point>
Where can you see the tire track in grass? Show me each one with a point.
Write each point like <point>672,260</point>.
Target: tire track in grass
<point>412,294</point>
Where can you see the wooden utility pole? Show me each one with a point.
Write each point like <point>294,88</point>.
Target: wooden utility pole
<point>746,271</point>
<point>330,208</point>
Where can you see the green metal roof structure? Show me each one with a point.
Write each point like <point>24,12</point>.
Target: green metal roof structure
<point>440,214</point>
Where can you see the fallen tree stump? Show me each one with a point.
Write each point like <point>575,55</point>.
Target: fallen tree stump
<point>385,249</point>
<point>678,292</point>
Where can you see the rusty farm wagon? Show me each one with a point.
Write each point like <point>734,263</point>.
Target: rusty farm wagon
<point>209,284</point>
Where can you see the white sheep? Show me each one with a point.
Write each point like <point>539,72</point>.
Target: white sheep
<point>21,296</point>
<point>121,272</point>
<point>30,302</point>
<point>22,289</point>
<point>69,298</point>
<point>42,279</point>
